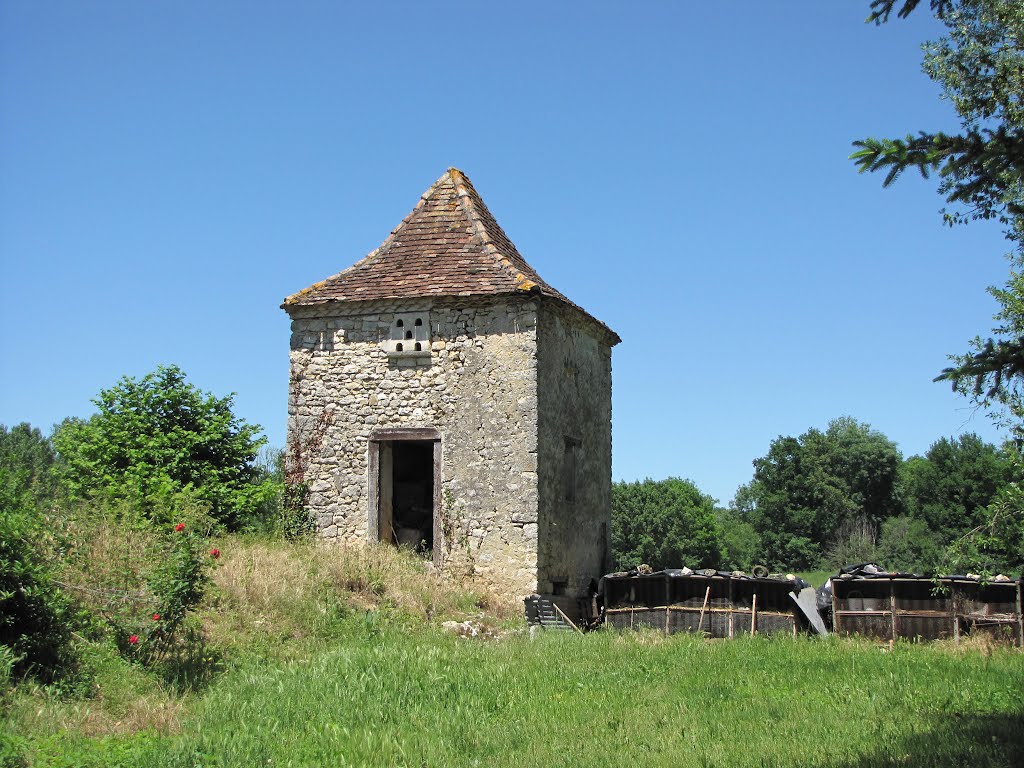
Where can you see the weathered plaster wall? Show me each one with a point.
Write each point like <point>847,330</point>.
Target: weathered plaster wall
<point>574,385</point>
<point>478,388</point>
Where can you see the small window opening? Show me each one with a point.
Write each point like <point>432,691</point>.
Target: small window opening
<point>400,323</point>
<point>419,347</point>
<point>419,321</point>
<point>398,347</point>
<point>408,334</point>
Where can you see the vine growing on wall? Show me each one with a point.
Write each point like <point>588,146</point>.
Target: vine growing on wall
<point>303,446</point>
<point>456,532</point>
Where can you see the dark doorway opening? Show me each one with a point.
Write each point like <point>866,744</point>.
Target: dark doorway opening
<point>405,489</point>
<point>407,485</point>
<point>412,494</point>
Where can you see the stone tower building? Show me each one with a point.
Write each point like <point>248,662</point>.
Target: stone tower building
<point>443,396</point>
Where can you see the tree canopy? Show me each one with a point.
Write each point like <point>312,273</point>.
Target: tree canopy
<point>664,524</point>
<point>881,9</point>
<point>158,436</point>
<point>979,64</point>
<point>26,464</point>
<point>951,485</point>
<point>811,492</point>
<point>845,495</point>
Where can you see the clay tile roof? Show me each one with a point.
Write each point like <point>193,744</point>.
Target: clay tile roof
<point>450,245</point>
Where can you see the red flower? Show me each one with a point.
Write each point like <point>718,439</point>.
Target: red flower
<point>156,617</point>
<point>133,640</point>
<point>179,527</point>
<point>214,553</point>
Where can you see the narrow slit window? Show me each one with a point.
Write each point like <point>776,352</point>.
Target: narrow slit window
<point>570,459</point>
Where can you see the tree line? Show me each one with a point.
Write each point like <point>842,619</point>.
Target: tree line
<point>833,497</point>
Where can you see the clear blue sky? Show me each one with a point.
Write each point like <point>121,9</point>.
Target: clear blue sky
<point>169,171</point>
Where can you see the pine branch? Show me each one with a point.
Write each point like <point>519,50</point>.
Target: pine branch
<point>978,166</point>
<point>880,9</point>
<point>995,364</point>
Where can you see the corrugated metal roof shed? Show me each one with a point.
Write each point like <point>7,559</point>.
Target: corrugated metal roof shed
<point>891,606</point>
<point>717,603</point>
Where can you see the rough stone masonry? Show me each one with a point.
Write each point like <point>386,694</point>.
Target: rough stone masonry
<point>444,397</point>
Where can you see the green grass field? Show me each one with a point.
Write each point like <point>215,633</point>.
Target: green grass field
<point>339,680</point>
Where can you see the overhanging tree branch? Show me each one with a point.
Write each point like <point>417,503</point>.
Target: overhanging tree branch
<point>991,367</point>
<point>981,168</point>
<point>880,9</point>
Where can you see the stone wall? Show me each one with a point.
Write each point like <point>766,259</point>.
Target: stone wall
<point>477,387</point>
<point>574,384</point>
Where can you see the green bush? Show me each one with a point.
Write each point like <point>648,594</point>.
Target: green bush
<point>26,466</point>
<point>159,436</point>
<point>35,616</point>
<point>740,542</point>
<point>141,581</point>
<point>664,524</point>
<point>12,751</point>
<point>908,544</point>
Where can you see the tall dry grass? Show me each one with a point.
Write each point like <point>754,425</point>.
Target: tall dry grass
<point>281,591</point>
<point>269,598</point>
<point>124,700</point>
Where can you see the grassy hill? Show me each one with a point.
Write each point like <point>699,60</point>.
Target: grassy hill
<point>316,656</point>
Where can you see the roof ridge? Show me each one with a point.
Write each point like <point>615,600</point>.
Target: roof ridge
<point>449,244</point>
<point>376,251</point>
<point>467,196</point>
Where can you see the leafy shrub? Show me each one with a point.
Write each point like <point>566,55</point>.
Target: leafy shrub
<point>294,520</point>
<point>740,542</point>
<point>997,543</point>
<point>12,753</point>
<point>908,544</point>
<point>26,465</point>
<point>158,436</point>
<point>141,582</point>
<point>34,614</point>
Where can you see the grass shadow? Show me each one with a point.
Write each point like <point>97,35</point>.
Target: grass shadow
<point>953,740</point>
<point>192,667</point>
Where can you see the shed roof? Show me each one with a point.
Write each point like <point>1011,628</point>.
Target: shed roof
<point>449,245</point>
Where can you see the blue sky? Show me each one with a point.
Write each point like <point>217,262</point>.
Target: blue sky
<point>172,170</point>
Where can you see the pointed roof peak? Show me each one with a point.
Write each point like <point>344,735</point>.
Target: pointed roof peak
<point>449,245</point>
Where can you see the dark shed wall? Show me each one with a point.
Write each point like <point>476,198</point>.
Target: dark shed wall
<point>574,409</point>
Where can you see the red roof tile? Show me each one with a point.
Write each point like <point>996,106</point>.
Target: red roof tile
<point>450,245</point>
